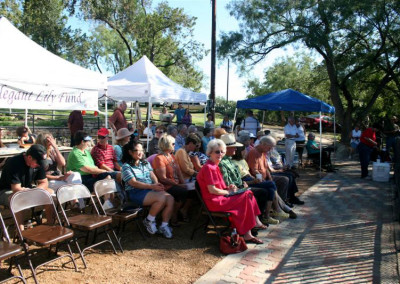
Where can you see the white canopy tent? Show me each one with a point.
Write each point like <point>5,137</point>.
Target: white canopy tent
<point>32,77</point>
<point>144,82</point>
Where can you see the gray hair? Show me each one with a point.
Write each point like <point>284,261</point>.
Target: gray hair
<point>243,139</point>
<point>181,126</point>
<point>213,144</point>
<point>121,103</point>
<point>166,142</point>
<point>192,129</point>
<point>267,140</point>
<point>170,129</point>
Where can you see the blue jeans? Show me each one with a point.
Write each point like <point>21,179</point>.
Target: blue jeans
<point>365,156</point>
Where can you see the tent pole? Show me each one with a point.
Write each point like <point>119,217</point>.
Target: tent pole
<point>234,117</point>
<point>262,127</point>
<point>26,117</point>
<point>148,120</point>
<point>320,143</point>
<point>205,116</point>
<point>106,111</point>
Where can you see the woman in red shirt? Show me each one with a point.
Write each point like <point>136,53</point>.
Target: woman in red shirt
<point>365,147</point>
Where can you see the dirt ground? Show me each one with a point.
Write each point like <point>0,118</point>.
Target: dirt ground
<point>153,260</point>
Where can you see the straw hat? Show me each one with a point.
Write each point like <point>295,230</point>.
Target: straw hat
<point>122,133</point>
<point>230,141</point>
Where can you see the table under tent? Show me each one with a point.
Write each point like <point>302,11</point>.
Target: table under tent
<point>144,82</point>
<point>32,77</point>
<point>289,100</point>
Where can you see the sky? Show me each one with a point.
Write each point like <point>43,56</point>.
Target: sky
<point>202,10</point>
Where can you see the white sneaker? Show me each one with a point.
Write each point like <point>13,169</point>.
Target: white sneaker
<point>166,231</point>
<point>107,204</point>
<point>150,226</point>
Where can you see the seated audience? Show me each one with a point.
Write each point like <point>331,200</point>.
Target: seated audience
<point>313,151</point>
<point>153,144</point>
<point>172,130</point>
<point>226,124</point>
<point>25,136</point>
<point>197,157</point>
<point>1,142</point>
<point>183,159</point>
<point>180,138</point>
<point>243,207</point>
<point>143,188</point>
<point>148,131</point>
<point>218,132</point>
<point>122,138</point>
<point>257,161</point>
<point>192,129</point>
<point>80,160</point>
<point>187,118</point>
<point>103,153</point>
<point>20,172</point>
<point>55,162</point>
<point>169,174</point>
<point>264,192</point>
<point>208,135</point>
<point>209,122</point>
<point>246,141</point>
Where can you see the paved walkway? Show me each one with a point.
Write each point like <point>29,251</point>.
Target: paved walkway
<point>344,234</point>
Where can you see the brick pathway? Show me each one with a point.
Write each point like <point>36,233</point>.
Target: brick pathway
<point>344,234</point>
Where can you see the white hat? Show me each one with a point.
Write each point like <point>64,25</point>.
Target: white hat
<point>230,141</point>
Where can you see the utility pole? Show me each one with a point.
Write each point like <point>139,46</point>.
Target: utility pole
<point>227,85</point>
<point>213,56</point>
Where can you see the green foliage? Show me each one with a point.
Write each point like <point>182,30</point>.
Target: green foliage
<point>359,42</point>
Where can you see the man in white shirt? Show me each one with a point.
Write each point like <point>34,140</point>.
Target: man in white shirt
<point>250,123</point>
<point>291,134</point>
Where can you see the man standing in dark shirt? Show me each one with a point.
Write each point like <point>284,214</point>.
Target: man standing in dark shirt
<point>21,171</point>
<point>118,120</point>
<point>75,123</point>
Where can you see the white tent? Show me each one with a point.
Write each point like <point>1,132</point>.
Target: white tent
<point>144,82</point>
<point>32,77</point>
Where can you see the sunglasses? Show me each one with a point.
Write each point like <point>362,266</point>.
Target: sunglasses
<point>219,152</point>
<point>102,137</point>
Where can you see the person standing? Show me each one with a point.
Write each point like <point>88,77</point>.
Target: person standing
<point>291,134</point>
<point>179,113</point>
<point>226,124</point>
<point>365,147</point>
<point>118,120</point>
<point>250,123</point>
<point>355,140</point>
<point>300,140</point>
<point>75,123</point>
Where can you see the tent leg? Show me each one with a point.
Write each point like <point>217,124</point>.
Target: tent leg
<point>148,122</point>
<point>106,111</point>
<point>26,117</point>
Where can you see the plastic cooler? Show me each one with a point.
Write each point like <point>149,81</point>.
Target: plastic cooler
<point>380,172</point>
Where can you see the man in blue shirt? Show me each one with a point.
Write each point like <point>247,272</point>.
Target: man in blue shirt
<point>179,113</point>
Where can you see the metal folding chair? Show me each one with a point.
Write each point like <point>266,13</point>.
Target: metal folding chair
<point>85,222</point>
<point>10,251</point>
<point>44,235</point>
<point>211,215</point>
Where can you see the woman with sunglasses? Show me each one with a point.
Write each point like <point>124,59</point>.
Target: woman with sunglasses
<point>169,174</point>
<point>243,207</point>
<point>153,144</point>
<point>143,188</point>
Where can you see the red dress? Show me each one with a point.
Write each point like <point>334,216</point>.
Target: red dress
<point>243,207</point>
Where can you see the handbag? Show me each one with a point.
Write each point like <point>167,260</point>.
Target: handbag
<point>232,244</point>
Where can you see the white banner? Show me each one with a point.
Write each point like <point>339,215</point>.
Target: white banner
<point>48,98</point>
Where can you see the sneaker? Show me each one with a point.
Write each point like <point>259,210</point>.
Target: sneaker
<point>166,231</point>
<point>292,214</point>
<point>272,221</point>
<point>150,226</point>
<point>281,214</point>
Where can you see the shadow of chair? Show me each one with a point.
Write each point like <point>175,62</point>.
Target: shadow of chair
<point>211,216</point>
<point>10,251</point>
<point>119,214</point>
<point>41,235</point>
<point>85,222</point>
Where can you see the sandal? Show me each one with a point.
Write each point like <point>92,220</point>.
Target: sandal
<point>260,227</point>
<point>254,240</point>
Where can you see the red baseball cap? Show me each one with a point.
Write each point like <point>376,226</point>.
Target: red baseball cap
<point>103,132</point>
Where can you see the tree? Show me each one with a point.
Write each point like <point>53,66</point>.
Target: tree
<point>358,41</point>
<point>163,34</point>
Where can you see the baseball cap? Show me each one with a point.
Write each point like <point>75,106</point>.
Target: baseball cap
<point>39,153</point>
<point>103,132</point>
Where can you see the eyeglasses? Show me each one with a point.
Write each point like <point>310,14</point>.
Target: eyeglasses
<point>102,137</point>
<point>219,152</point>
<point>160,132</point>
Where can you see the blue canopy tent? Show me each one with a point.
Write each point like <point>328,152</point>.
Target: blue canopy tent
<point>288,100</point>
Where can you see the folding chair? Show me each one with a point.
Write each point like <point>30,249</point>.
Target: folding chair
<point>10,250</point>
<point>40,235</point>
<point>119,214</point>
<point>210,216</point>
<point>85,222</point>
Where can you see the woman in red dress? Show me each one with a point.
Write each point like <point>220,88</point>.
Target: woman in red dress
<point>243,207</point>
